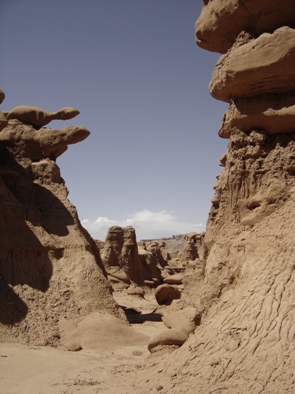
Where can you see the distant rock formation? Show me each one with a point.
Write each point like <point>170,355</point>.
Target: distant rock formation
<point>126,262</point>
<point>50,270</point>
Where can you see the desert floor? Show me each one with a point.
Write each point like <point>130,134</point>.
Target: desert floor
<point>108,367</point>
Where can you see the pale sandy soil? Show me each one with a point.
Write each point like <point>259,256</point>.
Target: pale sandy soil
<point>28,369</point>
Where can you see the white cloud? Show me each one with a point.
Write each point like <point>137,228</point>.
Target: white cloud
<point>104,219</point>
<point>147,224</point>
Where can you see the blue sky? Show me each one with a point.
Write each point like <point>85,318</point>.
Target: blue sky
<point>140,82</point>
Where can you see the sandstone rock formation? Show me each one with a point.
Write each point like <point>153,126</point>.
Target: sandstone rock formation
<point>190,252</point>
<point>165,294</point>
<point>246,340</point>
<point>38,117</point>
<point>174,337</point>
<point>187,318</point>
<point>256,76</point>
<point>221,22</point>
<point>50,267</point>
<point>126,262</point>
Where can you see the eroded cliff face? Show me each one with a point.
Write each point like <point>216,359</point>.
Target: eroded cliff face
<point>246,340</point>
<point>50,270</point>
<point>256,77</point>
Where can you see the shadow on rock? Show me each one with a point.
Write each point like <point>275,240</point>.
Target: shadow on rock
<point>12,308</point>
<point>31,218</point>
<point>136,317</point>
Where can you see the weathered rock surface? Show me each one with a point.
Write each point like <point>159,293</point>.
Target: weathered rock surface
<point>256,66</point>
<point>246,340</point>
<point>38,117</point>
<point>221,22</point>
<point>274,113</point>
<point>190,251</point>
<point>43,143</point>
<point>50,267</point>
<point>165,294</point>
<point>187,318</point>
<point>120,253</point>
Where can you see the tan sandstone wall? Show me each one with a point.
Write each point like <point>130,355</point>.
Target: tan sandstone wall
<point>246,340</point>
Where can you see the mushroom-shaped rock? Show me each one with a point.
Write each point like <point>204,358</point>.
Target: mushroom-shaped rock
<point>55,142</point>
<point>221,21</point>
<point>173,337</point>
<point>188,318</point>
<point>38,117</point>
<point>43,143</point>
<point>165,294</point>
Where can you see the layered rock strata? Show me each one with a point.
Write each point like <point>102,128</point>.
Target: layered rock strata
<point>257,77</point>
<point>246,340</point>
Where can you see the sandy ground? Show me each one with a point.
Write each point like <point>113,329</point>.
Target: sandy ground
<point>30,369</point>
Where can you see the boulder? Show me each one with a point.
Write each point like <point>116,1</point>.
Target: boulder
<point>165,294</point>
<point>188,318</point>
<point>173,337</point>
